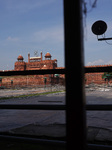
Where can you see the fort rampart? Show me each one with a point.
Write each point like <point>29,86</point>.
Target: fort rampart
<point>37,63</point>
<point>96,77</point>
<point>34,63</point>
<point>30,81</point>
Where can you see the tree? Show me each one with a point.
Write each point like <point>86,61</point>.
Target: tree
<point>107,76</point>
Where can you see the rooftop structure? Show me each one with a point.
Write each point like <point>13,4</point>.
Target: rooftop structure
<point>35,63</point>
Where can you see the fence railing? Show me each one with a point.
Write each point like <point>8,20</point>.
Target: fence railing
<point>33,72</point>
<point>98,107</point>
<point>93,107</point>
<point>98,69</point>
<point>32,107</point>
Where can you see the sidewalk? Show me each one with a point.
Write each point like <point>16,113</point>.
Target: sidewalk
<point>94,134</point>
<point>46,130</point>
<point>99,134</point>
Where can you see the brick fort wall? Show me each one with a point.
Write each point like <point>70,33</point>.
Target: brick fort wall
<point>95,78</point>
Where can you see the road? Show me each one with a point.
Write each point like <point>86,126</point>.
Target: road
<point>101,119</point>
<point>10,119</point>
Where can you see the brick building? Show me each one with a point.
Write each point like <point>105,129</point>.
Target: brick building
<point>35,63</point>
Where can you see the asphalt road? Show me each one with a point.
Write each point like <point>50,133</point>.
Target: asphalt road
<point>101,119</point>
<point>10,119</point>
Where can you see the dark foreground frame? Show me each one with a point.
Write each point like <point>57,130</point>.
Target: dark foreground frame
<point>75,98</point>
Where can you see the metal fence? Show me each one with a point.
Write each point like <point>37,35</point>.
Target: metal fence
<point>92,107</point>
<point>32,107</point>
<point>75,130</point>
<point>99,107</point>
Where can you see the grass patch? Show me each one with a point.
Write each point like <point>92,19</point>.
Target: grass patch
<point>30,95</point>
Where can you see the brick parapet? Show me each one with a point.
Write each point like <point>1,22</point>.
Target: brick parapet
<point>95,77</point>
<point>94,66</point>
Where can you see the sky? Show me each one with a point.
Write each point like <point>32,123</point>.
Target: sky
<point>97,52</point>
<point>27,26</point>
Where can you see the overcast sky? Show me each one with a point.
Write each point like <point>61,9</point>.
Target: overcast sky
<point>98,52</point>
<point>28,26</point>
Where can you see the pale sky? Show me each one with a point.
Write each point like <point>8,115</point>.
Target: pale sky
<point>37,25</point>
<point>28,26</point>
<point>98,52</point>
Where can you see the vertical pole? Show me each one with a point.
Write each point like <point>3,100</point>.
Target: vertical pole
<point>41,56</point>
<point>28,57</point>
<point>0,81</point>
<point>27,80</point>
<point>75,114</point>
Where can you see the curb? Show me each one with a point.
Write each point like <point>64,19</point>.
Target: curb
<point>99,134</point>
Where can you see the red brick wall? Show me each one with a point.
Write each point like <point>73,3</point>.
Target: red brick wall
<point>95,77</point>
<point>31,80</point>
<point>24,81</point>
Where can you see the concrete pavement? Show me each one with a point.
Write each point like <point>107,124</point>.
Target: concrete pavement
<point>30,122</point>
<point>99,122</point>
<point>59,130</point>
<point>102,119</point>
<point>10,119</point>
